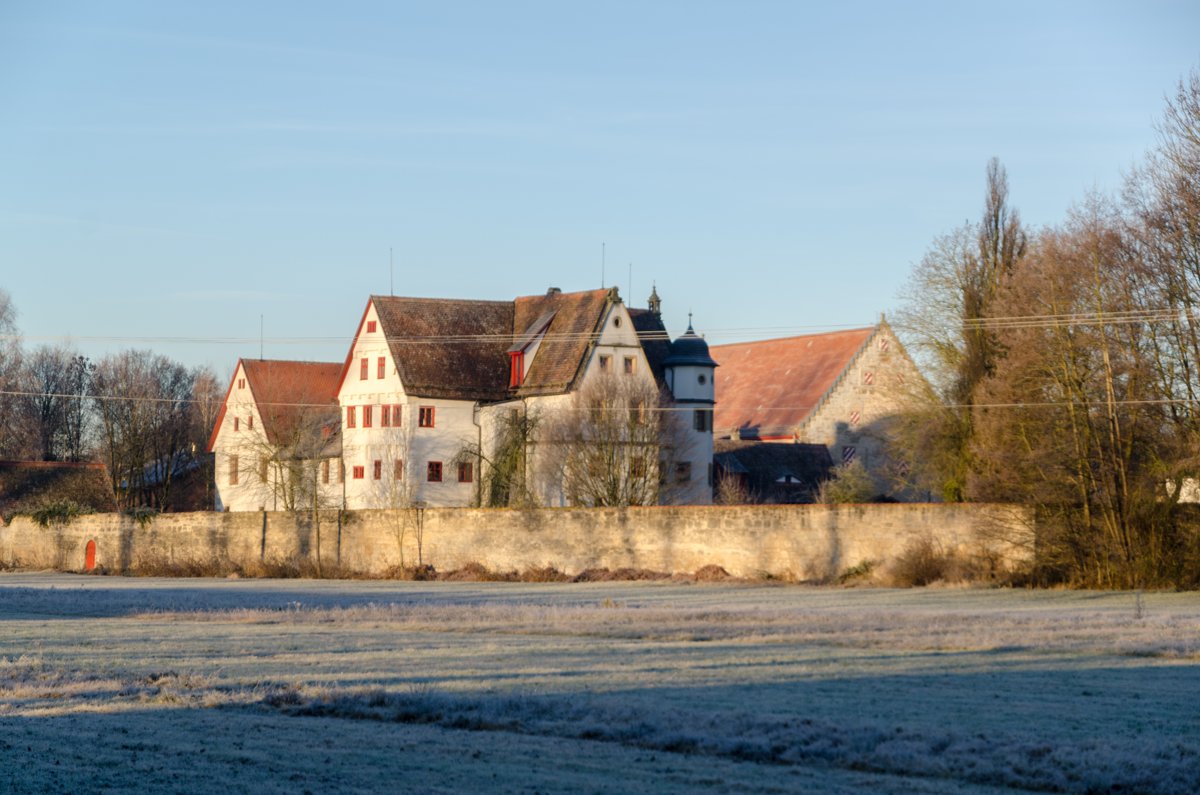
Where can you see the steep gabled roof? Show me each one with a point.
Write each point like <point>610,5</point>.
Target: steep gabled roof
<point>288,395</point>
<point>766,389</point>
<point>448,348</point>
<point>563,351</point>
<point>457,349</point>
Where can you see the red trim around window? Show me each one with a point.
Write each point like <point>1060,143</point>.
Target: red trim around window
<point>382,367</point>
<point>434,474</point>
<point>367,416</point>
<point>350,417</point>
<point>425,418</point>
<point>363,367</point>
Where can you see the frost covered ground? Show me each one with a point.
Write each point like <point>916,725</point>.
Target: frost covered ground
<point>321,686</point>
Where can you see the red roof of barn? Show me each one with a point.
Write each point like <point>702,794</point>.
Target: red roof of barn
<point>766,389</point>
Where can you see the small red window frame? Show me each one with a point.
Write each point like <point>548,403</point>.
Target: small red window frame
<point>434,472</point>
<point>381,369</point>
<point>426,418</point>
<point>350,417</point>
<point>363,369</point>
<point>371,326</point>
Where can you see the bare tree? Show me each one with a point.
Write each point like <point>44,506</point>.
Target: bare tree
<point>56,380</point>
<point>504,459</point>
<point>14,435</point>
<point>616,442</point>
<point>142,403</point>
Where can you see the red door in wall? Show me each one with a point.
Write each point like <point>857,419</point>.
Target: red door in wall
<point>89,556</point>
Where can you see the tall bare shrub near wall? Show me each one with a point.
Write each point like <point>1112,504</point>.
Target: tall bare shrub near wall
<point>951,291</point>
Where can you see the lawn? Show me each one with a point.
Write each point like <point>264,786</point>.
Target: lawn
<point>111,683</point>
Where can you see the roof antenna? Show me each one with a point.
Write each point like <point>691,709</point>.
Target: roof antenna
<point>260,337</point>
<point>602,265</point>
<point>391,273</point>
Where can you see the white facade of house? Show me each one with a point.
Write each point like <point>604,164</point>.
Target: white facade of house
<point>246,478</point>
<point>400,449</point>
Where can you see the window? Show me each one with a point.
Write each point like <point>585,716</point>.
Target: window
<point>381,367</point>
<point>616,321</point>
<point>637,469</point>
<point>630,365</point>
<point>435,472</point>
<point>233,470</point>
<point>378,469</point>
<point>395,416</point>
<point>241,383</point>
<point>262,470</point>
<point>516,368</point>
<point>425,418</point>
<point>702,419</point>
<point>325,470</point>
<point>683,472</point>
<point>605,363</point>
<point>250,422</point>
<point>465,472</point>
<point>371,326</point>
<point>350,416</point>
<point>237,423</point>
<point>385,416</point>
<point>710,474</point>
<point>367,416</point>
<point>360,473</point>
<point>399,473</point>
<point>702,379</point>
<point>362,370</point>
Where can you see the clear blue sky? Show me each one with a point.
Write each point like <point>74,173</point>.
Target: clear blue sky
<point>178,169</point>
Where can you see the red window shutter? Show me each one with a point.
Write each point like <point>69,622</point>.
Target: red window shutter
<point>325,471</point>
<point>350,416</point>
<point>378,469</point>
<point>359,473</point>
<point>371,326</point>
<point>396,416</point>
<point>362,370</point>
<point>399,474</point>
<point>237,423</point>
<point>516,372</point>
<point>233,470</point>
<point>385,416</point>
<point>382,366</point>
<point>367,416</point>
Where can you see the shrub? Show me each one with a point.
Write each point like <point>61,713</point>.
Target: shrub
<point>59,512</point>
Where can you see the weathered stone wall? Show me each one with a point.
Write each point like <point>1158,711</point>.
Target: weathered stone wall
<point>800,541</point>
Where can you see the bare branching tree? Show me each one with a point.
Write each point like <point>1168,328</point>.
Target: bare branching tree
<point>56,382</point>
<point>616,442</point>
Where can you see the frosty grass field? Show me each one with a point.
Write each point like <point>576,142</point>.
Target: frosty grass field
<point>324,686</point>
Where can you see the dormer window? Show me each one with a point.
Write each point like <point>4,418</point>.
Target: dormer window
<point>516,369</point>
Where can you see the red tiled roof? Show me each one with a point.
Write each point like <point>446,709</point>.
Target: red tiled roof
<point>286,394</point>
<point>765,389</point>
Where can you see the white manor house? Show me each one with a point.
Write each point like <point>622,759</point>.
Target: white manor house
<point>554,399</point>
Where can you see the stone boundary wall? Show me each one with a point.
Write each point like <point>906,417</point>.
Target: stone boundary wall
<point>806,542</point>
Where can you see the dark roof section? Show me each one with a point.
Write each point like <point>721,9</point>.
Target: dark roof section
<point>775,472</point>
<point>766,389</point>
<point>26,486</point>
<point>690,349</point>
<point>458,350</point>
<point>656,342</point>
<point>448,348</point>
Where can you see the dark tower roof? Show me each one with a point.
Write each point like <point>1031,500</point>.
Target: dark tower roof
<point>690,349</point>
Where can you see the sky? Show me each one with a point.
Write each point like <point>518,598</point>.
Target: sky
<point>173,175</point>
